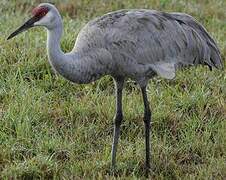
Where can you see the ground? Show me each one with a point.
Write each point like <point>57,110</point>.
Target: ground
<point>51,128</point>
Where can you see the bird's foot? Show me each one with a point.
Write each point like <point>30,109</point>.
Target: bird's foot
<point>147,170</point>
<point>113,170</point>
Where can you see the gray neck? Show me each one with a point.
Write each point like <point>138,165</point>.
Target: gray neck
<point>55,54</point>
<point>62,63</point>
<point>76,66</point>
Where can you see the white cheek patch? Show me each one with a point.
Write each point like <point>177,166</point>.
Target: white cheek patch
<point>46,20</point>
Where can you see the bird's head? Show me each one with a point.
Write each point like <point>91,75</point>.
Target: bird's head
<point>44,14</point>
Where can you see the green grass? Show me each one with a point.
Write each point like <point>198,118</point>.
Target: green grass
<point>51,128</point>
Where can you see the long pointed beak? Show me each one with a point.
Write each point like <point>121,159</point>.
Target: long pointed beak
<point>27,25</point>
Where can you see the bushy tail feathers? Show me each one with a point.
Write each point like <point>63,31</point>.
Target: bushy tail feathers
<point>213,57</point>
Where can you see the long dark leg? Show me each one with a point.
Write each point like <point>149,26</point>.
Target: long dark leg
<point>118,119</point>
<point>147,122</point>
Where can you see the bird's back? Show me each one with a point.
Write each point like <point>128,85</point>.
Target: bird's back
<point>144,42</point>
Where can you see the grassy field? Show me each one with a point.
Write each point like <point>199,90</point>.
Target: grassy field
<point>51,128</point>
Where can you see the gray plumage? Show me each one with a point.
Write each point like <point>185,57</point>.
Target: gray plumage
<point>142,43</point>
<point>136,44</point>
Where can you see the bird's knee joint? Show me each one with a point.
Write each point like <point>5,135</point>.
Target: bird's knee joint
<point>147,117</point>
<point>147,113</point>
<point>118,118</point>
<point>147,120</point>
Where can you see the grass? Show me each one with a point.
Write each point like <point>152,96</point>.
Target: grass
<point>52,129</point>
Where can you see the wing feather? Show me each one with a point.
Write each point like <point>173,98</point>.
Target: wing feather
<point>153,39</point>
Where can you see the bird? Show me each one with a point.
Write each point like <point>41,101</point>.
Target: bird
<point>138,44</point>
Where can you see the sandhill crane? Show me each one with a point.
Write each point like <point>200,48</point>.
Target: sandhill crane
<point>136,44</point>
